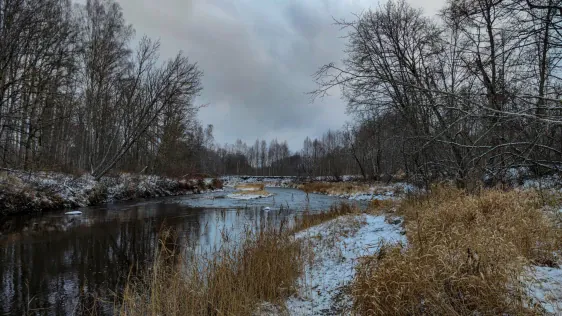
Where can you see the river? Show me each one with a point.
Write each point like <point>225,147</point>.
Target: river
<point>56,264</point>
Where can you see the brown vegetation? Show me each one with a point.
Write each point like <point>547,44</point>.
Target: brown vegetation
<point>250,186</point>
<point>217,184</point>
<point>346,188</point>
<point>233,281</point>
<point>309,219</point>
<point>464,256</point>
<point>251,189</point>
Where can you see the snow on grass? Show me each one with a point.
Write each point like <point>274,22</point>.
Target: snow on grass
<point>27,192</point>
<point>337,245</point>
<point>272,182</point>
<point>544,286</point>
<point>369,197</point>
<point>359,191</point>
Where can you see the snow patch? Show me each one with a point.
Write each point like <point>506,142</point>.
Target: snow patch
<point>546,182</point>
<point>337,249</point>
<point>369,197</point>
<point>272,182</point>
<point>544,286</point>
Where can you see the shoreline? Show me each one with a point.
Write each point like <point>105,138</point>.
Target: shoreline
<point>23,193</point>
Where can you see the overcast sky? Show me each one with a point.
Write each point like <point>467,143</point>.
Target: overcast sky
<point>257,57</point>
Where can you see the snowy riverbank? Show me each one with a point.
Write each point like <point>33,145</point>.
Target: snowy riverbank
<point>24,192</point>
<point>272,182</point>
<point>360,191</point>
<point>347,188</point>
<point>544,287</point>
<point>338,245</point>
<point>281,181</point>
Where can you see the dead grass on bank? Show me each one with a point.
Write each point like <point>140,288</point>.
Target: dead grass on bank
<point>347,188</point>
<point>250,186</point>
<point>251,189</point>
<point>334,187</point>
<point>231,282</point>
<point>464,256</point>
<point>309,219</point>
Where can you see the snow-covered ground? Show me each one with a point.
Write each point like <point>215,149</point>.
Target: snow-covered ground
<point>279,181</point>
<point>546,182</point>
<point>38,191</point>
<point>544,286</point>
<point>272,182</point>
<point>378,192</point>
<point>337,245</point>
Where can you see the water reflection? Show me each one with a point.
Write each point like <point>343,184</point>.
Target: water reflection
<point>56,264</point>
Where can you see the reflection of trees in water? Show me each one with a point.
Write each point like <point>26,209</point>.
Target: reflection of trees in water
<point>67,270</point>
<point>56,275</point>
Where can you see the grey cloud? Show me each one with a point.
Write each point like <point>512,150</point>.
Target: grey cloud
<point>257,57</point>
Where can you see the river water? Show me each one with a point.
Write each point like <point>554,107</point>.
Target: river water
<point>55,264</point>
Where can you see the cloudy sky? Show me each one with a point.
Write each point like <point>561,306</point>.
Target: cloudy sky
<point>258,57</point>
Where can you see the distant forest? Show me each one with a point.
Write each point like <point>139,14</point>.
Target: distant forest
<point>467,94</point>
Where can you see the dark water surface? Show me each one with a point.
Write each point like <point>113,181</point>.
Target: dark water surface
<point>56,264</point>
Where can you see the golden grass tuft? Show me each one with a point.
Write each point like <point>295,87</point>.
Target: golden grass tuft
<point>464,256</point>
<point>309,219</point>
<point>250,186</point>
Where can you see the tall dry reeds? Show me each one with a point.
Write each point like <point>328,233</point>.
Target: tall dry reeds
<point>263,266</point>
<point>464,256</point>
<point>232,281</point>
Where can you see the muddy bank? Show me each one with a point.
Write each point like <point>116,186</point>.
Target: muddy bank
<point>24,192</point>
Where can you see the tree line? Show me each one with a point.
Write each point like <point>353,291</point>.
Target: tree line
<point>77,93</point>
<point>334,154</point>
<point>467,94</point>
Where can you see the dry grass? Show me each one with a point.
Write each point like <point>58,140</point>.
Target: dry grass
<point>380,207</point>
<point>347,188</point>
<point>250,187</point>
<point>309,219</point>
<point>231,282</point>
<point>334,187</point>
<point>464,256</point>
